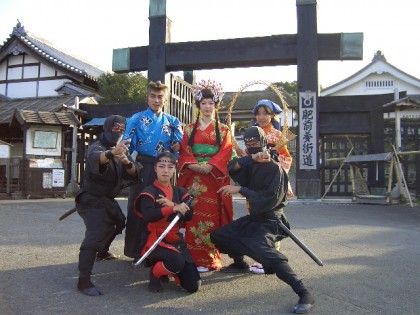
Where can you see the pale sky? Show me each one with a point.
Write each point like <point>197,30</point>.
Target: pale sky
<point>91,29</point>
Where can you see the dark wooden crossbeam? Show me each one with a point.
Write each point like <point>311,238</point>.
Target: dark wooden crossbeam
<point>239,52</point>
<point>303,49</point>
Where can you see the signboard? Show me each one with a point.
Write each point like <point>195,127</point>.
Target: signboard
<point>45,139</point>
<point>57,178</point>
<point>307,131</point>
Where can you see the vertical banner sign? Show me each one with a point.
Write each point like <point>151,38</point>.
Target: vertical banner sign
<point>307,131</point>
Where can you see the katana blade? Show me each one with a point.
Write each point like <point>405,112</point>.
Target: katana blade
<point>156,243</point>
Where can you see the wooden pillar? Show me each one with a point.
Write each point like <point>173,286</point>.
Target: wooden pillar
<point>159,35</point>
<point>308,182</point>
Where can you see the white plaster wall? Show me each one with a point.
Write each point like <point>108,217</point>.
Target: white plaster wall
<point>30,59</point>
<point>15,73</point>
<point>30,72</point>
<point>16,60</point>
<point>47,71</point>
<point>47,88</point>
<point>22,89</point>
<point>359,87</point>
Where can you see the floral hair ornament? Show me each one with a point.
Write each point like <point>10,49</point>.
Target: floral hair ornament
<point>213,86</point>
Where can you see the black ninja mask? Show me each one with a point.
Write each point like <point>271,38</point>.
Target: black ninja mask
<point>114,127</point>
<point>255,140</point>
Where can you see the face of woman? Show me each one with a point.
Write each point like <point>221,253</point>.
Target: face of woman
<point>165,171</point>
<point>207,107</point>
<point>263,116</point>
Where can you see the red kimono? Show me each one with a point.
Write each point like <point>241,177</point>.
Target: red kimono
<point>211,210</point>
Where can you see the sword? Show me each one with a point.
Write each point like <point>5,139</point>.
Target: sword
<point>301,245</point>
<point>164,233</point>
<point>155,244</point>
<point>71,211</point>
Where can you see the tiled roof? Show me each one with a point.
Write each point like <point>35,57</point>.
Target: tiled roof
<point>408,102</point>
<point>248,99</point>
<point>49,52</point>
<point>378,57</point>
<point>46,118</point>
<point>49,104</point>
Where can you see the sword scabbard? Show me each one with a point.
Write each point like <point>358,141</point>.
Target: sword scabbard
<point>66,214</point>
<point>300,244</point>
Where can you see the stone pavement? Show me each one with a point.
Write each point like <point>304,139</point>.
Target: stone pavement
<point>371,265</point>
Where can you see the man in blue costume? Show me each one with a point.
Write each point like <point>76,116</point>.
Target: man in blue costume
<point>264,185</point>
<point>151,132</point>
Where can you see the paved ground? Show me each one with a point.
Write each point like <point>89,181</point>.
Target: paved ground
<point>371,256</point>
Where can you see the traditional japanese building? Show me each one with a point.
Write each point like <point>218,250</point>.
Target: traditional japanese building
<point>379,77</point>
<point>41,89</point>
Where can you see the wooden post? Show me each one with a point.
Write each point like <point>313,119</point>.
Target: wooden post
<point>308,183</point>
<point>390,175</point>
<point>159,35</point>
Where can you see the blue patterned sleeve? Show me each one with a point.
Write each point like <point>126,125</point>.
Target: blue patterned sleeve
<point>130,132</point>
<point>176,130</point>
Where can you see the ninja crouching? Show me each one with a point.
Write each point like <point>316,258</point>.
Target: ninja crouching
<point>264,185</point>
<point>107,165</point>
<point>159,205</point>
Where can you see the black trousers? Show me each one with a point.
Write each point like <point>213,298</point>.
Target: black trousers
<point>256,240</point>
<point>101,230</point>
<point>136,228</point>
<point>176,263</point>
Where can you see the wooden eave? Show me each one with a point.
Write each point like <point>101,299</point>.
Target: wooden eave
<point>29,117</point>
<point>401,104</point>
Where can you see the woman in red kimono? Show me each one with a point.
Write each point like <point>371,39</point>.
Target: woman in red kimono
<point>206,149</point>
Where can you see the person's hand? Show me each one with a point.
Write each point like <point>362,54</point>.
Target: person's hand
<point>123,158</point>
<point>229,190</point>
<point>195,168</point>
<point>205,169</point>
<point>165,202</point>
<point>181,208</point>
<point>175,147</point>
<point>121,148</point>
<point>261,157</point>
<point>202,169</point>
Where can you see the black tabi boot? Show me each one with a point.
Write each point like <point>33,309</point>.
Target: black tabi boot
<point>86,262</point>
<point>106,255</point>
<point>154,283</point>
<point>86,287</point>
<point>238,266</point>
<point>306,300</point>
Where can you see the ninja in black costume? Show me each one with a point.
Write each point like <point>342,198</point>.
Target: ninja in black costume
<point>264,185</point>
<point>157,205</point>
<point>107,165</point>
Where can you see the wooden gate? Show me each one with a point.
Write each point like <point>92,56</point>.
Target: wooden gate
<point>181,103</point>
<point>346,122</point>
<point>335,177</point>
